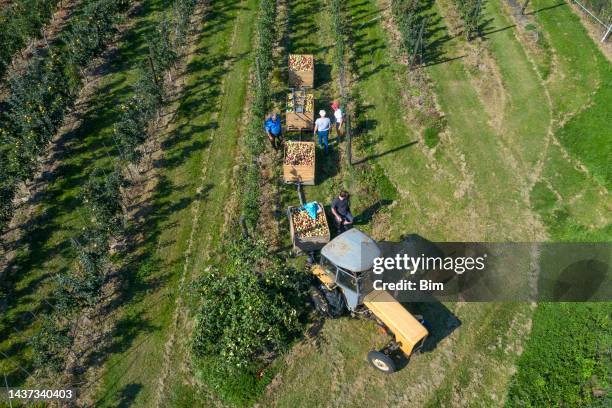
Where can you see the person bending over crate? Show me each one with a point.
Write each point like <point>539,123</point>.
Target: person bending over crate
<point>274,130</point>
<point>341,208</point>
<point>321,129</point>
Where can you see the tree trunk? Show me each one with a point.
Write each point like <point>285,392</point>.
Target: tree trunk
<point>525,4</point>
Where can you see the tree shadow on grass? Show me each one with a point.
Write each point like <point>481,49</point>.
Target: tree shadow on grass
<point>327,165</point>
<point>122,337</point>
<point>303,26</point>
<point>367,214</point>
<point>80,150</point>
<point>563,3</point>
<point>128,395</point>
<point>390,151</point>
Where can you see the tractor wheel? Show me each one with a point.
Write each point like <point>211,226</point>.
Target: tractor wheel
<point>319,301</point>
<point>381,362</point>
<point>336,301</point>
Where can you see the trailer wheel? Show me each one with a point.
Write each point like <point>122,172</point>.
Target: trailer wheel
<point>381,362</point>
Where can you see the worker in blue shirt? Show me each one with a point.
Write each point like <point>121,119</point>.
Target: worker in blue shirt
<point>274,130</point>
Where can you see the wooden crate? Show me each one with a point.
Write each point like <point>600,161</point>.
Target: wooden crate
<point>299,121</point>
<point>302,79</point>
<point>299,113</point>
<point>299,173</point>
<point>307,244</point>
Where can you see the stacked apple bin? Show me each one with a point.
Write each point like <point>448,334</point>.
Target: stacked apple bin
<point>307,223</point>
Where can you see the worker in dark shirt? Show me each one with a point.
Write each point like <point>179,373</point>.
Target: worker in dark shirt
<point>341,209</point>
<point>273,129</point>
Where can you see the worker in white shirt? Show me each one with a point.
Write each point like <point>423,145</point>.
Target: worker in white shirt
<point>321,129</point>
<point>339,116</point>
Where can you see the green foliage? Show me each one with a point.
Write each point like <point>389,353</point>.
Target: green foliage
<point>50,345</point>
<point>130,131</point>
<point>601,8</point>
<point>162,53</point>
<point>471,14</point>
<point>250,304</point>
<point>249,311</point>
<point>101,195</point>
<point>410,23</point>
<point>81,287</point>
<point>20,21</point>
<point>263,65</point>
<point>566,358</point>
<point>39,97</point>
<point>182,12</point>
<point>89,34</point>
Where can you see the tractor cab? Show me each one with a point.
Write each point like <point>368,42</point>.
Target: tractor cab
<point>346,261</point>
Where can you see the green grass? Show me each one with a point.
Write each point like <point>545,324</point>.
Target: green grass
<point>563,362</point>
<point>203,134</point>
<point>58,216</point>
<point>492,144</point>
<point>566,358</point>
<point>587,135</point>
<point>580,96</point>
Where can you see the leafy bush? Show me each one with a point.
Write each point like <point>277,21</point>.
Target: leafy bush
<point>101,195</point>
<point>471,14</point>
<point>410,23</point>
<point>244,316</point>
<point>50,345</point>
<point>250,311</point>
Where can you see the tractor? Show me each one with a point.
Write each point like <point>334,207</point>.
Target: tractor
<point>344,268</point>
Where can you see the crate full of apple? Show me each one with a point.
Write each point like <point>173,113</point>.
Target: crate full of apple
<point>301,70</point>
<point>299,153</point>
<point>301,62</point>
<point>299,162</point>
<point>308,233</point>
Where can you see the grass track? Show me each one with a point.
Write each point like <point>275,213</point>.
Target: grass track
<point>199,155</point>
